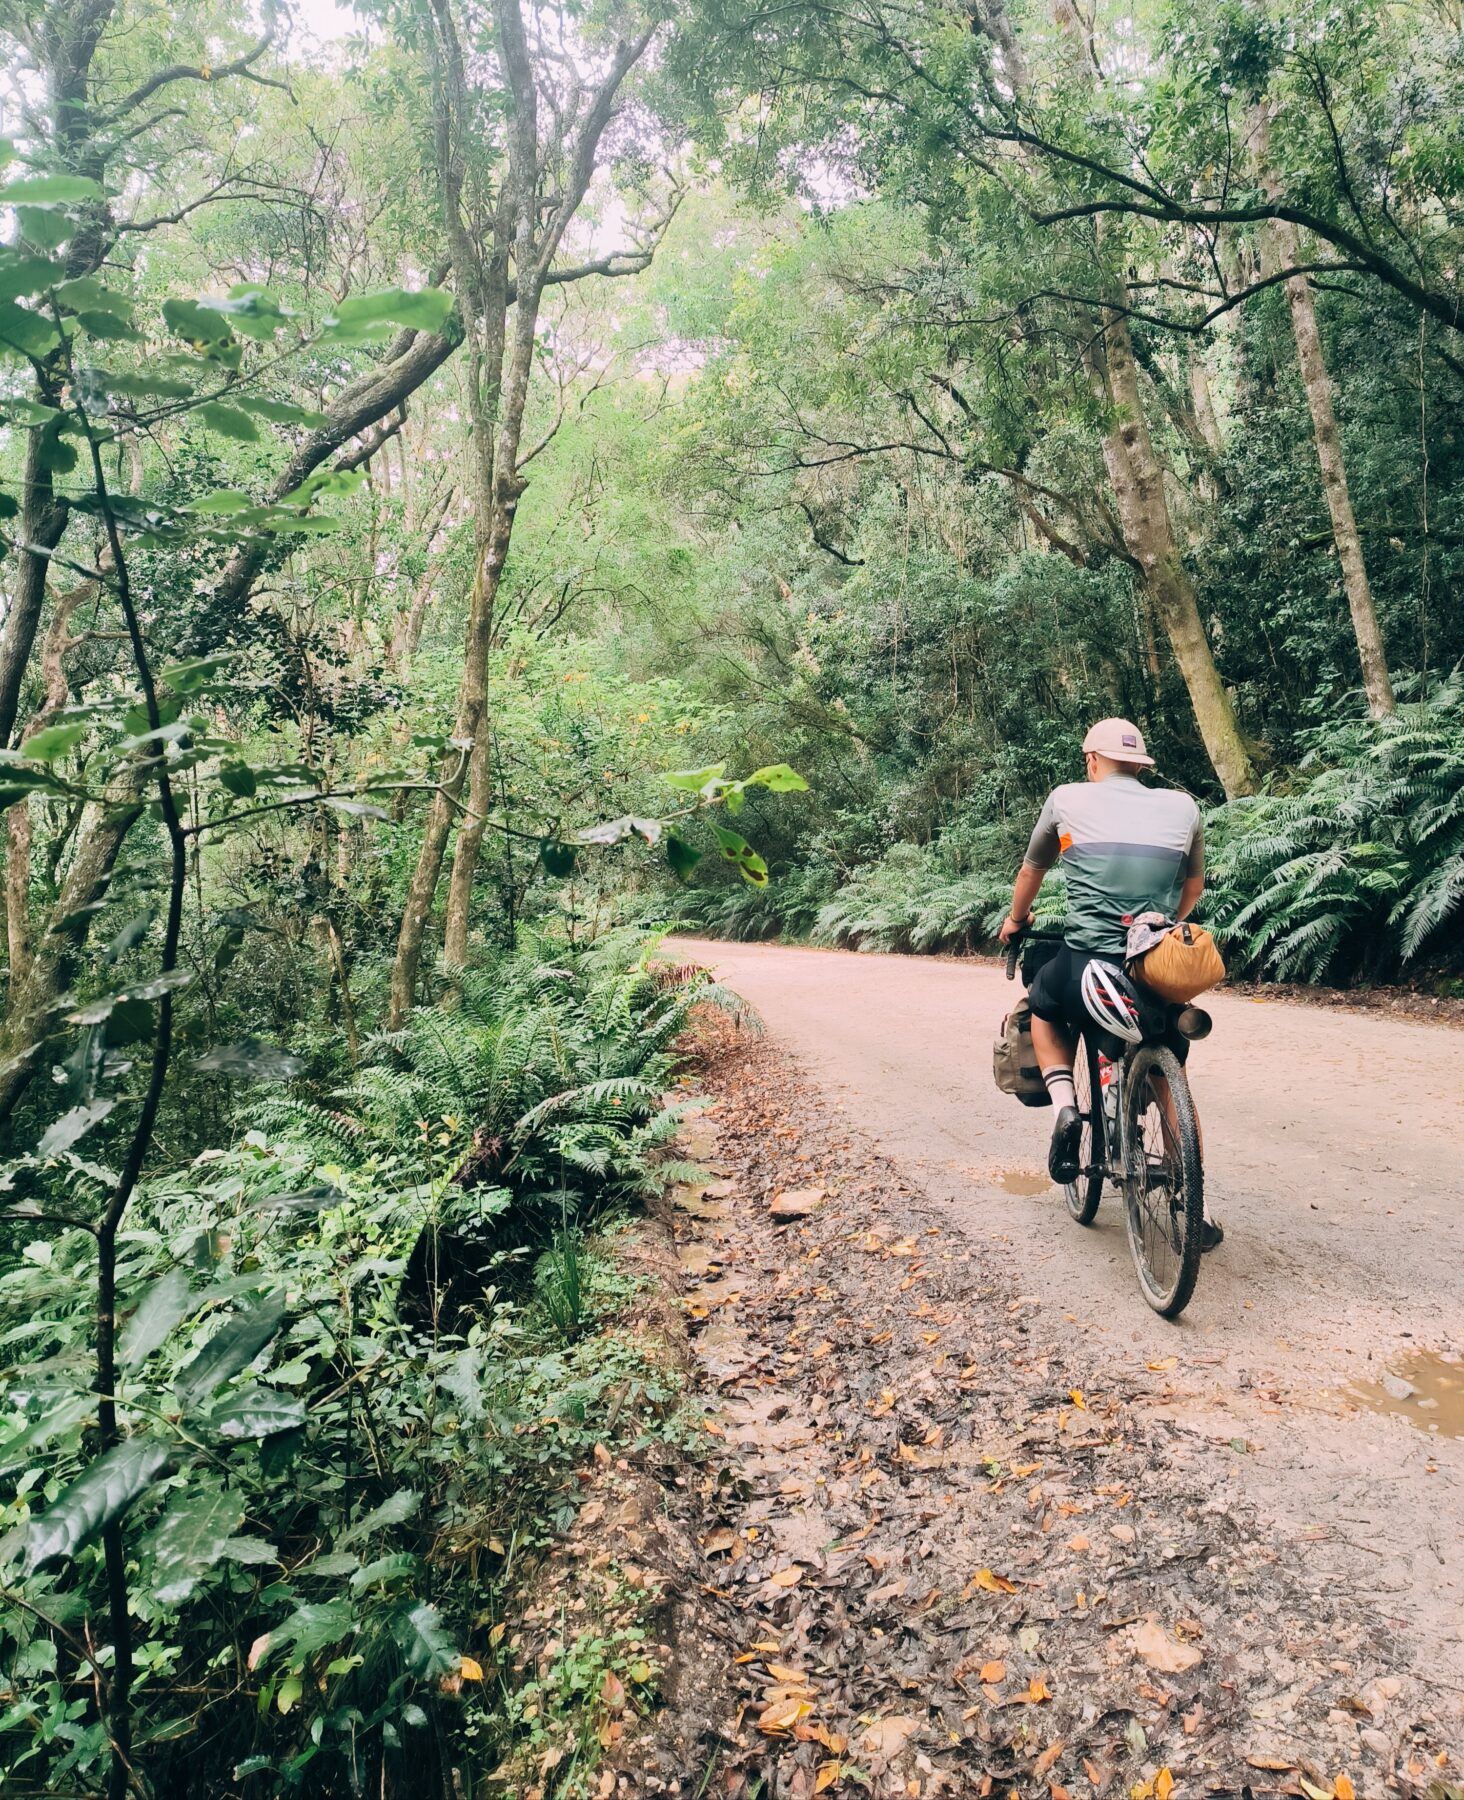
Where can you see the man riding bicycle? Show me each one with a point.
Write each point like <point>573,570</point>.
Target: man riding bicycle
<point>1125,849</point>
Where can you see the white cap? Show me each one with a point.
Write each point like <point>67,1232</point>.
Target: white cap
<point>1120,740</point>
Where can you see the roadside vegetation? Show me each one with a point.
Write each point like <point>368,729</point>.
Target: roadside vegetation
<point>484,488</point>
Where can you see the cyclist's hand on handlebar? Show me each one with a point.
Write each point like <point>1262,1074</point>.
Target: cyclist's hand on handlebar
<point>1012,929</point>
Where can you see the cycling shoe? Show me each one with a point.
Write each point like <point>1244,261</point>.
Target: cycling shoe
<point>1062,1158</point>
<point>1212,1235</point>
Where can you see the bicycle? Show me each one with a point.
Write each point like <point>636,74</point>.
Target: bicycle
<point>1139,1132</point>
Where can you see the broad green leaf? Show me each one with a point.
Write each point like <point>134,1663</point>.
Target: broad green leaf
<point>222,501</point>
<point>140,386</point>
<point>396,1509</point>
<point>28,333</point>
<point>109,326</point>
<point>86,294</point>
<point>251,1551</point>
<point>194,323</point>
<point>698,781</point>
<point>19,1451</point>
<point>683,857</point>
<point>254,1412</point>
<point>97,1011</point>
<point>253,1060</point>
<point>428,1650</point>
<point>283,412</point>
<point>164,1304</point>
<point>227,421</point>
<point>72,1126</point>
<point>129,1022</point>
<point>557,857</point>
<point>232,1347</point>
<point>426,309</point>
<point>749,865</point>
<point>99,1495</point>
<point>51,190</point>
<point>24,275</point>
<point>778,778</point>
<point>47,229</point>
<point>238,779</point>
<point>52,741</point>
<point>335,483</point>
<point>191,1537</point>
<point>399,1565</point>
<point>309,1629</point>
<point>28,412</point>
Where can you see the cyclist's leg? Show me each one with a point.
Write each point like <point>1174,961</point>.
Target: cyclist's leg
<point>1054,1042</point>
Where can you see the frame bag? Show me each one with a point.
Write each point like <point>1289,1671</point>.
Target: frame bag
<point>1014,1062</point>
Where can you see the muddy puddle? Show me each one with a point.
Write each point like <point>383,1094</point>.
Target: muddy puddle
<point>1426,1389</point>
<point>1027,1182</point>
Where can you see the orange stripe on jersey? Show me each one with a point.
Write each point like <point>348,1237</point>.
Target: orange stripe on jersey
<point>1065,842</point>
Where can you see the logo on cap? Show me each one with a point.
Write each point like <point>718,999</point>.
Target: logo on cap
<point>1130,740</point>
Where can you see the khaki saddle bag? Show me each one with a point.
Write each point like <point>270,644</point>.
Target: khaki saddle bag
<point>1013,1060</point>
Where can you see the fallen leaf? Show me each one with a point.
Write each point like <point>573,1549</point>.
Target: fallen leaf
<point>1312,1791</point>
<point>1164,1364</point>
<point>1076,1396</point>
<point>470,1670</point>
<point>1125,1534</point>
<point>720,1541</point>
<point>786,1578</point>
<point>612,1691</point>
<point>1097,1773</point>
<point>783,1715</point>
<point>1044,1762</point>
<point>993,1671</point>
<point>888,1737</point>
<point>1270,1762</point>
<point>1342,1787</point>
<point>1023,1470</point>
<point>1163,1785</point>
<point>1078,1543</point>
<point>828,1774</point>
<point>1057,1792</point>
<point>781,1672</point>
<point>994,1584</point>
<point>1163,1652</point>
<point>1037,1689</point>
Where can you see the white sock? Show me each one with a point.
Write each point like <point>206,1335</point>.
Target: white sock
<point>1060,1087</point>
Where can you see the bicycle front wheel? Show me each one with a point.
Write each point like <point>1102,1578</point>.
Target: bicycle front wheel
<point>1084,1194</point>
<point>1164,1193</point>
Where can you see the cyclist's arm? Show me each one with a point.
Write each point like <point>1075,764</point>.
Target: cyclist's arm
<point>1042,853</point>
<point>1189,895</point>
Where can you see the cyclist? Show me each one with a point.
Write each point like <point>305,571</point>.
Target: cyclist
<point>1125,849</point>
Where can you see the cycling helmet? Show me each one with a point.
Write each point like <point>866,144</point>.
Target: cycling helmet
<point>1111,1000</point>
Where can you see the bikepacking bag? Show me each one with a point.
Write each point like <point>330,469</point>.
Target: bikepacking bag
<point>1178,962</point>
<point>1013,1060</point>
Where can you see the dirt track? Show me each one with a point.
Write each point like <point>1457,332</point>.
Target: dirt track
<point>1333,1146</point>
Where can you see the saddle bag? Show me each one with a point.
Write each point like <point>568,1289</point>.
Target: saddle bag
<point>1013,1060</point>
<point>1178,963</point>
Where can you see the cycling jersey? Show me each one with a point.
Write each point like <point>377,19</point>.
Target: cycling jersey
<point>1124,849</point>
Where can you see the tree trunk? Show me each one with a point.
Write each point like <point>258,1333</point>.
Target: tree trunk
<point>1137,479</point>
<point>1283,248</point>
<point>17,891</point>
<point>465,853</point>
<point>43,520</point>
<point>31,1008</point>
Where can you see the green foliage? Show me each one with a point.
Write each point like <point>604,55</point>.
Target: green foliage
<point>1357,868</point>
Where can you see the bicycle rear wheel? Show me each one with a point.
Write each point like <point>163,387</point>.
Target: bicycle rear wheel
<point>1084,1194</point>
<point>1164,1195</point>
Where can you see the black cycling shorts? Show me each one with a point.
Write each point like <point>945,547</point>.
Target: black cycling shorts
<point>1056,994</point>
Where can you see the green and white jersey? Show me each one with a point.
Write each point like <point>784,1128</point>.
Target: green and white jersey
<point>1124,848</point>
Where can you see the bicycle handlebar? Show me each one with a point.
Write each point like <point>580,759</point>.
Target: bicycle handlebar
<point>1014,948</point>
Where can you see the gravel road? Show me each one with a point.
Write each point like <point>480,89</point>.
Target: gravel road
<point>1324,1349</point>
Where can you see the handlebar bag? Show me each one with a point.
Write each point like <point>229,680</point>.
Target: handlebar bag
<point>1013,1060</point>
